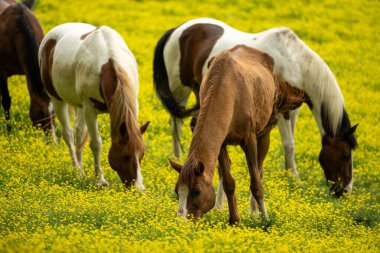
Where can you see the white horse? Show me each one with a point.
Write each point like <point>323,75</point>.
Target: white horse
<point>181,61</point>
<point>94,70</point>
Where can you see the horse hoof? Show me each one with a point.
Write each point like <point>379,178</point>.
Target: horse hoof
<point>103,184</point>
<point>218,206</point>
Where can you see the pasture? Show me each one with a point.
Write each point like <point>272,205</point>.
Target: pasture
<point>45,207</point>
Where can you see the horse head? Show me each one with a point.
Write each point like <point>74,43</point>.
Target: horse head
<point>41,113</point>
<point>336,161</point>
<point>194,189</point>
<point>125,155</point>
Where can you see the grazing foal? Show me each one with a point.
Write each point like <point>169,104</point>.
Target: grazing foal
<point>94,70</point>
<point>239,104</point>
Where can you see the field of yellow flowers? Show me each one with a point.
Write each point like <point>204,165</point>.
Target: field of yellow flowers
<point>44,207</point>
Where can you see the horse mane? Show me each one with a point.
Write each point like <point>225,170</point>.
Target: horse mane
<point>322,81</point>
<point>212,78</point>
<point>124,106</point>
<point>30,45</point>
<point>287,98</point>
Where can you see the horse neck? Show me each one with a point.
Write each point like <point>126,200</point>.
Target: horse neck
<point>307,71</point>
<point>212,124</point>
<point>327,103</point>
<point>27,46</point>
<point>123,108</point>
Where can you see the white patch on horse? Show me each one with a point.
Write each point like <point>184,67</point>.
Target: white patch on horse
<point>350,185</point>
<point>183,193</point>
<point>139,180</point>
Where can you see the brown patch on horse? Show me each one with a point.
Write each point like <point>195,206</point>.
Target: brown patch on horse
<point>84,36</point>
<point>108,81</point>
<point>196,43</point>
<point>47,54</point>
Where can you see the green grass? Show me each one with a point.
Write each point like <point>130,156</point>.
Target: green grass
<point>46,208</point>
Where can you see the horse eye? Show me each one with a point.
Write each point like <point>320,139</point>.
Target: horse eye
<point>195,193</point>
<point>126,158</point>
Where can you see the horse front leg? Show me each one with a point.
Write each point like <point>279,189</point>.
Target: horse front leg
<point>287,138</point>
<point>228,184</point>
<point>257,190</point>
<point>5,101</point>
<point>96,142</point>
<point>262,149</point>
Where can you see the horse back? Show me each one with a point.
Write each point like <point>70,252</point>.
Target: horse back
<point>240,81</point>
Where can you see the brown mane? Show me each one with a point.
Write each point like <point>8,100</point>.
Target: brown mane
<point>124,109</point>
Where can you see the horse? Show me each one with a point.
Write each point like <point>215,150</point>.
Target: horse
<point>92,69</point>
<point>239,105</point>
<point>181,60</point>
<point>20,37</point>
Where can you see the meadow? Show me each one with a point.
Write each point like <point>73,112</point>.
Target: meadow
<point>45,207</point>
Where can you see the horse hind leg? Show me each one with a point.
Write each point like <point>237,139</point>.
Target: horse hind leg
<point>61,110</point>
<point>262,149</point>
<point>287,138</point>
<point>80,135</point>
<point>95,142</point>
<point>5,101</point>
<point>251,152</point>
<point>176,132</point>
<point>221,195</point>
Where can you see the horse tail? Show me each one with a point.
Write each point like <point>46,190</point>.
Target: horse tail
<point>288,98</point>
<point>161,81</point>
<point>29,3</point>
<point>28,47</point>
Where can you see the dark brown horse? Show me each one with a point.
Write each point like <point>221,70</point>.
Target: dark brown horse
<point>239,105</point>
<point>20,37</point>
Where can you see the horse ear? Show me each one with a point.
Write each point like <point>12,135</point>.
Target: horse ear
<point>350,131</point>
<point>176,166</point>
<point>123,130</point>
<point>210,61</point>
<point>200,168</point>
<point>144,127</point>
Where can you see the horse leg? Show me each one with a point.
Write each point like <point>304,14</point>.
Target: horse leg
<point>96,142</point>
<point>61,110</point>
<point>257,190</point>
<point>262,150</point>
<point>228,184</point>
<point>5,101</point>
<point>80,135</point>
<point>176,131</point>
<point>287,138</point>
<point>221,195</point>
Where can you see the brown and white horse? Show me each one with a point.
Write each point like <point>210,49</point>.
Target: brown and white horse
<point>20,37</point>
<point>239,105</point>
<point>94,70</point>
<point>181,60</point>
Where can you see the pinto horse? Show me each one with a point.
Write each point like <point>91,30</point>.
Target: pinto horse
<point>181,60</point>
<point>20,37</point>
<point>239,104</point>
<point>93,70</point>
